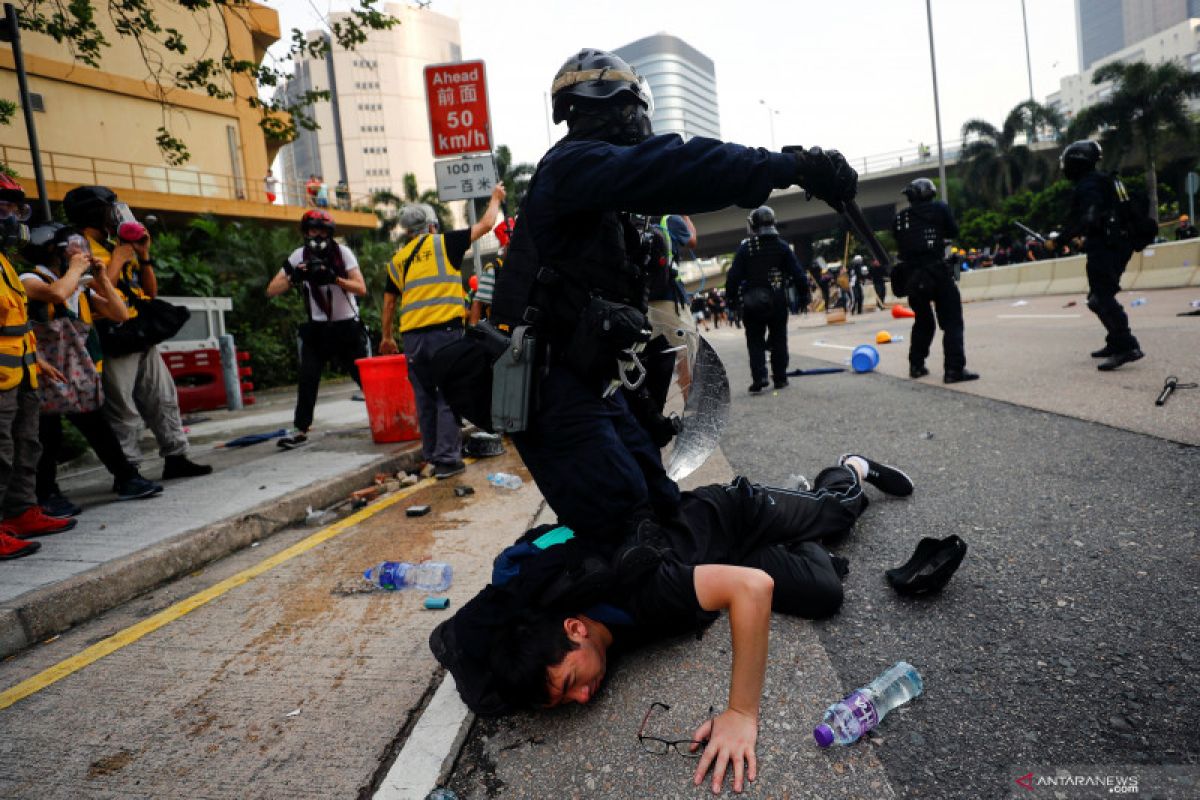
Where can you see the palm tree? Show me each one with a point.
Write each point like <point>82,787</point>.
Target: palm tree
<point>387,206</point>
<point>995,160</point>
<point>1146,104</point>
<point>515,178</point>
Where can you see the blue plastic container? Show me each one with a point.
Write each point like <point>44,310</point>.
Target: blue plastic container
<point>865,358</point>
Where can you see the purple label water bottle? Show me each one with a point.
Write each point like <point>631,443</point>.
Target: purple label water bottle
<point>847,720</point>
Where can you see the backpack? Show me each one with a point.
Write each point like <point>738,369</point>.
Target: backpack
<point>1133,214</point>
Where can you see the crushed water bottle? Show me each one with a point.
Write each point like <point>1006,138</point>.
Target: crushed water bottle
<point>429,576</point>
<point>1140,301</point>
<point>504,480</point>
<point>847,720</point>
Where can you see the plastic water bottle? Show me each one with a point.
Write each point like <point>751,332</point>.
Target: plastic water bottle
<point>429,576</point>
<point>1141,301</point>
<point>847,720</point>
<point>504,480</point>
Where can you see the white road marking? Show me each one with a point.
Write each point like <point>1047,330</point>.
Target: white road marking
<point>1037,316</point>
<point>429,753</point>
<point>834,346</point>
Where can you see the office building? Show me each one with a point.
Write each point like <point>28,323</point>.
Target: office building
<point>375,127</point>
<point>1105,27</point>
<point>683,81</point>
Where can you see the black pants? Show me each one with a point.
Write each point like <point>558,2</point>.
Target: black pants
<point>933,290</point>
<point>340,342</point>
<point>596,466</point>
<point>99,435</point>
<point>1104,270</point>
<point>858,297</point>
<point>783,533</point>
<point>880,289</point>
<point>768,334</point>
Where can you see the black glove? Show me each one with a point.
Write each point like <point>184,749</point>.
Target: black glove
<point>824,174</point>
<point>295,274</point>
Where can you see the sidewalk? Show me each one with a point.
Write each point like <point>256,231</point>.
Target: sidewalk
<point>119,550</point>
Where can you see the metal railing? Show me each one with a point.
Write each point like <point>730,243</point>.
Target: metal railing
<point>162,179</point>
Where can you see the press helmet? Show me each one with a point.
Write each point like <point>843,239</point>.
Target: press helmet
<point>417,217</point>
<point>920,190</point>
<point>319,219</point>
<point>10,190</point>
<point>762,221</point>
<point>1080,158</point>
<point>89,206</point>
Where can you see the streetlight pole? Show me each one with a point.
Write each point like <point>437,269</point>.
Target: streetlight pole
<point>1028,62</point>
<point>937,110</point>
<point>11,32</point>
<point>770,119</point>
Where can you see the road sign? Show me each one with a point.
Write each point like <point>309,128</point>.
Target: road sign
<point>1193,183</point>
<point>458,108</point>
<point>464,178</point>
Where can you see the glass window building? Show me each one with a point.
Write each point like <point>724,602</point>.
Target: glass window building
<point>683,81</point>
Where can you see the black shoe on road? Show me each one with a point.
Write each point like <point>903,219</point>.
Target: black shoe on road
<point>181,467</point>
<point>136,487</point>
<point>757,387</point>
<point>886,479</point>
<point>57,505</point>
<point>292,442</point>
<point>781,383</point>
<point>443,471</point>
<point>915,371</point>
<point>1117,359</point>
<point>960,375</point>
<point>1104,352</point>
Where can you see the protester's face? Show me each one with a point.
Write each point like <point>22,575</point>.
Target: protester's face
<point>578,677</point>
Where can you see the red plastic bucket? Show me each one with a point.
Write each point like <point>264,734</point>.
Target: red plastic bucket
<point>391,405</point>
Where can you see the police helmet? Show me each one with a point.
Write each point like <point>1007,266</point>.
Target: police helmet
<point>1080,158</point>
<point>920,191</point>
<point>417,217</point>
<point>318,219</point>
<point>857,261</point>
<point>598,77</point>
<point>89,206</point>
<point>762,221</point>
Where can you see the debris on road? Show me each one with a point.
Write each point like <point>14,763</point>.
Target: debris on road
<point>463,491</point>
<point>416,511</point>
<point>437,603</point>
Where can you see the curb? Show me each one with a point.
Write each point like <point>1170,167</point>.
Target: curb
<point>33,616</point>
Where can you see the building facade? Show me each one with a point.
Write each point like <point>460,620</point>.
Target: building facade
<point>1105,27</point>
<point>375,128</point>
<point>1180,43</point>
<point>683,81</point>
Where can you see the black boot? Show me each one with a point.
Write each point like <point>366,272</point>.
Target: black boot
<point>959,375</point>
<point>917,371</point>
<point>757,387</point>
<point>181,467</point>
<point>1117,359</point>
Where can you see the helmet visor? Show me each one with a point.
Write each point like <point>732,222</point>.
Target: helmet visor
<point>646,95</point>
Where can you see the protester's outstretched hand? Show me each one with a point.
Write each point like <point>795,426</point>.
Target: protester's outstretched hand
<point>731,738</point>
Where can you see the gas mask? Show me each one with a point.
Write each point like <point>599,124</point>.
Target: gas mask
<point>14,233</point>
<point>627,124</point>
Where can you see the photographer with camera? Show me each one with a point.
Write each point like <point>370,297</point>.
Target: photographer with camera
<point>328,275</point>
<point>137,384</point>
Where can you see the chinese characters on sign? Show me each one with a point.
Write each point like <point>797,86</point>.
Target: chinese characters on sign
<point>464,178</point>
<point>458,109</point>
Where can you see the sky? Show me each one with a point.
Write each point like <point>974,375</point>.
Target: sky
<point>853,75</point>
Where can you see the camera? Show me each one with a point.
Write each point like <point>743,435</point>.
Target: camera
<point>315,269</point>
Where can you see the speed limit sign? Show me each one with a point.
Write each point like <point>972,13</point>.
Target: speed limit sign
<point>458,108</point>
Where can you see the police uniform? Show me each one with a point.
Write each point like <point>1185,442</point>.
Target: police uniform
<point>594,464</point>
<point>921,232</point>
<point>765,264</point>
<point>20,447</point>
<point>1108,251</point>
<point>425,273</point>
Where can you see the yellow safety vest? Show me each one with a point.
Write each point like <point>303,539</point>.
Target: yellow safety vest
<point>128,276</point>
<point>18,347</point>
<point>432,293</point>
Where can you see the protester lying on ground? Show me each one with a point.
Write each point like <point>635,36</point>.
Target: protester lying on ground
<point>61,310</point>
<point>559,606</point>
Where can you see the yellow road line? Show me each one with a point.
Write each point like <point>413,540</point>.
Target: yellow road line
<point>168,615</point>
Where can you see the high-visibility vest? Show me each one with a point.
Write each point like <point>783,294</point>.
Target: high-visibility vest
<point>18,347</point>
<point>432,291</point>
<point>127,281</point>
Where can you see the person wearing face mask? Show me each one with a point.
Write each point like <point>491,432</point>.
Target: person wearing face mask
<point>573,281</point>
<point>137,385</point>
<point>327,274</point>
<point>67,286</point>
<point>20,368</point>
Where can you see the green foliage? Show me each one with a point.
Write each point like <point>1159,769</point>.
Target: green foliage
<point>73,23</point>
<point>8,110</point>
<point>996,162</point>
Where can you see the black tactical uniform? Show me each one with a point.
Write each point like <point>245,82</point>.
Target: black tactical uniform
<point>757,282</point>
<point>921,232</point>
<point>1093,215</point>
<point>572,274</point>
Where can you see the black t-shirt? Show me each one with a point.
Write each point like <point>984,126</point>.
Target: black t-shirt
<point>455,244</point>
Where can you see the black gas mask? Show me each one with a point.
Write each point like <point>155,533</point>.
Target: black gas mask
<point>14,233</point>
<point>626,124</point>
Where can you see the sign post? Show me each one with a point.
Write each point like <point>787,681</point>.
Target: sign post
<point>1193,185</point>
<point>459,125</point>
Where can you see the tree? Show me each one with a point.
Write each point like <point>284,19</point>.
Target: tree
<point>515,178</point>
<point>995,160</point>
<point>387,206</point>
<point>1147,104</point>
<point>73,23</point>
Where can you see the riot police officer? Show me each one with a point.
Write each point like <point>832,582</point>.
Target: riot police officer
<point>1108,249</point>
<point>921,232</point>
<point>571,277</point>
<point>757,281</point>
